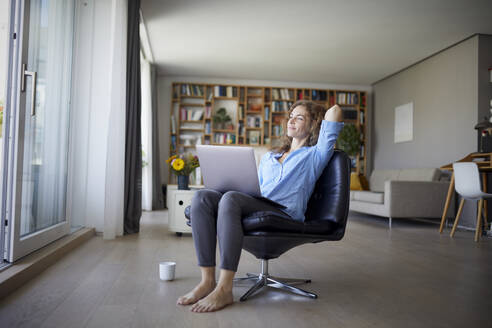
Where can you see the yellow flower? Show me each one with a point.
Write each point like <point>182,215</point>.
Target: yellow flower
<point>170,159</point>
<point>178,164</point>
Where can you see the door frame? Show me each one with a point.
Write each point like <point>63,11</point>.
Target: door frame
<point>19,246</point>
<point>8,121</point>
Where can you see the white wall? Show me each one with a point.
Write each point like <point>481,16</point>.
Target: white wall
<point>444,91</point>
<point>4,21</point>
<point>164,84</point>
<point>484,82</point>
<point>99,115</point>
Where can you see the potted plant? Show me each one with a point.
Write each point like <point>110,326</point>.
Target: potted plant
<point>183,165</point>
<point>349,140</point>
<point>221,118</point>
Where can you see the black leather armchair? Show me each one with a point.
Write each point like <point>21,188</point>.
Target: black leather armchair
<point>268,236</point>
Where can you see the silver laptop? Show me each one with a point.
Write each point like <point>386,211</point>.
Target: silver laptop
<point>230,168</point>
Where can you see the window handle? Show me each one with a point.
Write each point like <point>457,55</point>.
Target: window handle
<point>25,72</point>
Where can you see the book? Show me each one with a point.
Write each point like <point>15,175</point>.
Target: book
<point>224,138</point>
<point>240,112</point>
<point>241,94</point>
<point>197,115</point>
<point>175,91</point>
<point>300,95</point>
<point>254,137</point>
<point>173,144</point>
<point>349,113</point>
<point>275,95</point>
<point>240,129</point>
<point>267,113</point>
<point>253,121</point>
<point>281,106</point>
<point>173,124</point>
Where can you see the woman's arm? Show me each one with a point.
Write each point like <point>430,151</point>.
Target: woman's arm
<point>328,134</point>
<point>334,114</point>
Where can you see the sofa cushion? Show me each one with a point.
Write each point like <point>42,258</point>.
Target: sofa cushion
<point>369,196</point>
<point>430,174</point>
<point>378,177</point>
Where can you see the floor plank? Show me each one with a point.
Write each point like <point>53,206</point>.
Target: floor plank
<point>409,276</point>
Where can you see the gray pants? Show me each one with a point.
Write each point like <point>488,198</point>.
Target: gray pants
<point>214,214</point>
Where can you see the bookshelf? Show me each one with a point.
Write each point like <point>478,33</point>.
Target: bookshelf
<point>257,115</point>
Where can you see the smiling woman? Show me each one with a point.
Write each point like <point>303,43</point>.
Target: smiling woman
<point>288,181</point>
<point>304,123</point>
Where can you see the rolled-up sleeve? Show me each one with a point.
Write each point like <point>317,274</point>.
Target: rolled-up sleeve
<point>323,150</point>
<point>260,173</point>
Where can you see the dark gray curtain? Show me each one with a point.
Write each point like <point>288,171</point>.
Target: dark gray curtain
<point>157,196</point>
<point>133,143</point>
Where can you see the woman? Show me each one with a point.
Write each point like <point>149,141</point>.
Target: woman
<point>287,175</point>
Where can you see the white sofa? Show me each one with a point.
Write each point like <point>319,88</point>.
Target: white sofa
<point>404,193</point>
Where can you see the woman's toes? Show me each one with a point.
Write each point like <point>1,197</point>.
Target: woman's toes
<point>194,307</point>
<point>184,300</point>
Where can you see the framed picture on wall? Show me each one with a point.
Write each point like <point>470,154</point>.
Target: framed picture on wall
<point>404,123</point>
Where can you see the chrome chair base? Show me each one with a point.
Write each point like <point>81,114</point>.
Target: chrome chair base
<point>265,280</point>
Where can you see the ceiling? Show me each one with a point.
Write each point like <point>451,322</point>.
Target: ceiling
<point>331,41</point>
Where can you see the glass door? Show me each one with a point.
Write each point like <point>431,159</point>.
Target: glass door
<point>36,181</point>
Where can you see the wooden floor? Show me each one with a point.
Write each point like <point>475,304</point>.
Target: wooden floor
<point>407,277</point>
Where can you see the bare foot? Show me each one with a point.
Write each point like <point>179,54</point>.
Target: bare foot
<point>216,300</point>
<point>199,292</point>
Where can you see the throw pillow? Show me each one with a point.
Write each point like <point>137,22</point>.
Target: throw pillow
<point>358,182</point>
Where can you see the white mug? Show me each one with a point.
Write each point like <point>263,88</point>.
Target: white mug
<point>167,270</point>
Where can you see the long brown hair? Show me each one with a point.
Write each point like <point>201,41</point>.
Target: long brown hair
<point>316,114</point>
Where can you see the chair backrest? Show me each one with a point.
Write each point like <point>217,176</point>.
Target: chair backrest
<point>467,179</point>
<point>331,195</point>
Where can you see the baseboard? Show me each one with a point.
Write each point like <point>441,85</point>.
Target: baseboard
<point>32,265</point>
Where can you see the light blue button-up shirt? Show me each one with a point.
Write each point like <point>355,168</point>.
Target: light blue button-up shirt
<point>292,182</point>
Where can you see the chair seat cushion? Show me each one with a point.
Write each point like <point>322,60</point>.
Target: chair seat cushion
<point>271,222</point>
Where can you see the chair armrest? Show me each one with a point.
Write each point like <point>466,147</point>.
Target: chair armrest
<point>416,198</point>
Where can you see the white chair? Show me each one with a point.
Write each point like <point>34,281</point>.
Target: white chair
<point>467,184</point>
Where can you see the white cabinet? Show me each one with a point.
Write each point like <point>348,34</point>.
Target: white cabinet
<point>177,201</point>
